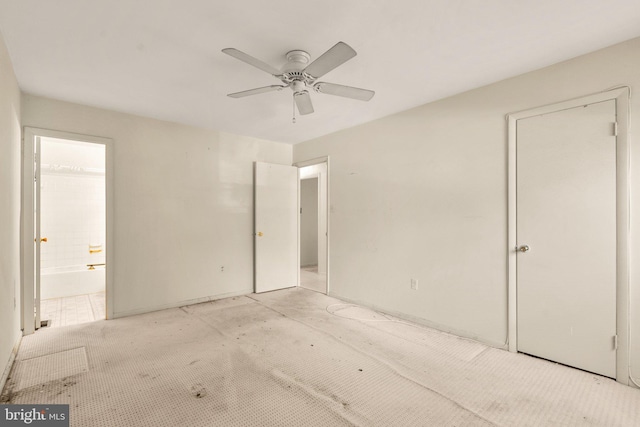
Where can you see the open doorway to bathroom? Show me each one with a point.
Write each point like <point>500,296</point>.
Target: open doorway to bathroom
<point>72,216</point>
<point>313,227</point>
<point>66,228</point>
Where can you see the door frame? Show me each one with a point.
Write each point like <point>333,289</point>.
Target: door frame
<point>311,162</point>
<point>621,97</point>
<point>27,228</point>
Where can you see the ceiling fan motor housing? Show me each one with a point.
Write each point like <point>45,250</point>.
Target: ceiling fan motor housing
<point>293,70</point>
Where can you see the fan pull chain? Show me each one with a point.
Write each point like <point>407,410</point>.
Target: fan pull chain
<point>294,110</point>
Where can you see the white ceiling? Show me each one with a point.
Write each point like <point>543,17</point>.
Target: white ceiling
<point>163,58</point>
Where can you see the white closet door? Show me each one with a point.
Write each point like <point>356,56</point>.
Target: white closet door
<point>566,232</point>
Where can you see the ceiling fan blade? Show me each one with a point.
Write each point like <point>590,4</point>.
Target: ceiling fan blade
<point>337,55</point>
<point>346,91</point>
<point>256,91</point>
<point>303,102</point>
<point>251,61</point>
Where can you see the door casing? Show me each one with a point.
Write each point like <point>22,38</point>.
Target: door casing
<point>621,96</point>
<point>27,226</point>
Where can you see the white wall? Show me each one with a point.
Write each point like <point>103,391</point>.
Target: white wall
<point>308,222</point>
<point>10,161</point>
<point>183,201</point>
<point>423,194</point>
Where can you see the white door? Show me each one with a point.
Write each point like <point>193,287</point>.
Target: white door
<point>276,227</point>
<point>566,234</point>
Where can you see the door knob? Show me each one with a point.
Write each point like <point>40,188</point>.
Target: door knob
<point>43,239</point>
<point>524,248</point>
<point>260,234</point>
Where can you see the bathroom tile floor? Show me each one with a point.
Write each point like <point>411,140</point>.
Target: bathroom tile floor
<point>73,310</point>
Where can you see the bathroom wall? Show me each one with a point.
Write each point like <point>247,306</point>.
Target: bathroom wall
<point>72,204</point>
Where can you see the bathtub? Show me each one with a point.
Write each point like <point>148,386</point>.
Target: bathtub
<point>56,282</point>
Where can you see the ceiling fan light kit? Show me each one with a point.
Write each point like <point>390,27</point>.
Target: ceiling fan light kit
<point>300,75</point>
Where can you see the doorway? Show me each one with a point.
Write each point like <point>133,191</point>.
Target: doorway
<point>279,238</point>
<point>66,213</point>
<point>313,227</point>
<point>568,274</point>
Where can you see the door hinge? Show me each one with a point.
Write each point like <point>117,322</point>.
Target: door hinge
<point>615,128</point>
<point>615,342</point>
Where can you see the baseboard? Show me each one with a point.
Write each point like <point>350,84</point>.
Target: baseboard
<point>424,322</point>
<point>12,358</point>
<point>182,303</point>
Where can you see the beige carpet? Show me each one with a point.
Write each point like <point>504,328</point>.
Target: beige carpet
<point>300,358</point>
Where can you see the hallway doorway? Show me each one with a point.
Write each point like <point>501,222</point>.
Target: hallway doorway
<point>313,227</point>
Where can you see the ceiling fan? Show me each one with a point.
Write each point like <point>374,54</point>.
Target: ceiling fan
<point>299,75</point>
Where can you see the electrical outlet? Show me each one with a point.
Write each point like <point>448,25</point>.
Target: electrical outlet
<point>222,268</point>
<point>414,284</point>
